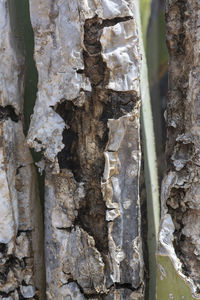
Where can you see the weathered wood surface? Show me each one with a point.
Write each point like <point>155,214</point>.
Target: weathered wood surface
<point>21,251</point>
<point>179,233</point>
<point>86,122</point>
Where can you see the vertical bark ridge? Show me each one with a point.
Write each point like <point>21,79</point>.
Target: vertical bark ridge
<point>180,188</point>
<point>21,256</point>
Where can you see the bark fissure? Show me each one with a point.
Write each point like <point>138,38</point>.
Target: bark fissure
<point>86,138</point>
<point>8,112</point>
<point>101,296</point>
<point>112,288</point>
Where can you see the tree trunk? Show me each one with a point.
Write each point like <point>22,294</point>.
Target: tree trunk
<point>86,126</point>
<point>86,122</point>
<point>91,77</point>
<point>179,246</point>
<point>21,240</point>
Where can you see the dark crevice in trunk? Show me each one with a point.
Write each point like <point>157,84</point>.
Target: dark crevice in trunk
<point>3,248</point>
<point>5,268</point>
<point>86,134</point>
<point>112,22</point>
<point>8,112</point>
<point>87,164</point>
<point>112,288</point>
<point>68,229</point>
<point>128,286</point>
<point>88,296</point>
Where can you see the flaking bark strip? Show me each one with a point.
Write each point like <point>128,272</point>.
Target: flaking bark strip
<point>78,93</point>
<point>20,215</point>
<point>180,188</point>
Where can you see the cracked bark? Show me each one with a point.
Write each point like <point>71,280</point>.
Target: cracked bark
<point>86,122</point>
<point>21,258</point>
<point>179,232</point>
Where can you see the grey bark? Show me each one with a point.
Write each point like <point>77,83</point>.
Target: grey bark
<point>86,121</point>
<point>179,233</point>
<point>86,124</point>
<point>21,246</point>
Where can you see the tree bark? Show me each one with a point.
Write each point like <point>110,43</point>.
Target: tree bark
<point>179,247</point>
<point>86,122</point>
<point>21,250</point>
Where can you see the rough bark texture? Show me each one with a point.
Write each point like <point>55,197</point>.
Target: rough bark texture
<point>86,122</point>
<point>179,233</point>
<point>21,263</point>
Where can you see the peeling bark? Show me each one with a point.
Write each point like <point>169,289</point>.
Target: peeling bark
<point>21,257</point>
<point>179,233</point>
<point>86,122</point>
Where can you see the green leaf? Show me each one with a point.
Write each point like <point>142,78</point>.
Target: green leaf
<point>145,9</point>
<point>170,284</point>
